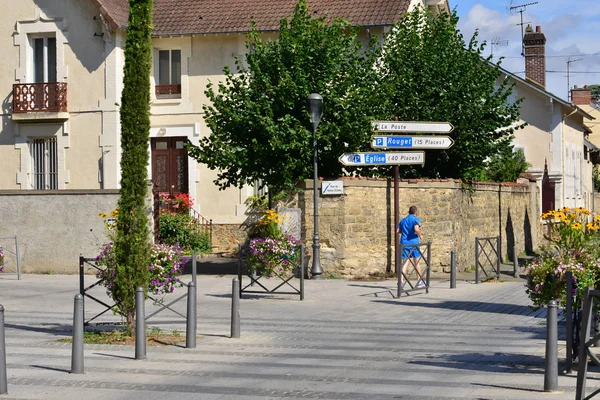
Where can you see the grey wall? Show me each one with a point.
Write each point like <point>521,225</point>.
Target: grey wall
<point>55,227</point>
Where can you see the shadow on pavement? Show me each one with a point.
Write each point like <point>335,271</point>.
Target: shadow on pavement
<point>213,266</point>
<point>477,306</point>
<point>498,362</point>
<point>54,329</point>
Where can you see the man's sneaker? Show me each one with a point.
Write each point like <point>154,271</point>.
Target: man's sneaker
<point>421,284</point>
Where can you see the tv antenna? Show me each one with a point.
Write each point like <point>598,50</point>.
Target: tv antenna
<point>520,8</point>
<point>569,76</point>
<point>497,42</point>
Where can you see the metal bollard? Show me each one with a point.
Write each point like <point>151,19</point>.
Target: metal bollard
<point>140,324</point>
<point>77,338</point>
<point>453,269</point>
<point>190,328</point>
<point>515,262</point>
<point>3,379</point>
<point>235,309</point>
<point>551,362</point>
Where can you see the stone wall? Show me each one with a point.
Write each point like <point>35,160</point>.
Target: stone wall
<point>356,229</point>
<point>55,227</point>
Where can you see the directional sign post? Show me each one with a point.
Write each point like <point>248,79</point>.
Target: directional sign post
<point>383,158</point>
<point>412,142</point>
<point>414,127</point>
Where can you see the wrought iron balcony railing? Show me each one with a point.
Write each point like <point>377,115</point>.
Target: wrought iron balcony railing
<point>167,89</point>
<point>40,97</point>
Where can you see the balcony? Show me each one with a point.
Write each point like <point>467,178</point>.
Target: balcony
<point>168,91</point>
<point>40,101</point>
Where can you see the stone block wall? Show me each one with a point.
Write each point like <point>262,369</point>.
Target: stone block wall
<point>356,229</point>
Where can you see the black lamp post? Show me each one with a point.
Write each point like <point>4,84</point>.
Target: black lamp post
<point>315,109</point>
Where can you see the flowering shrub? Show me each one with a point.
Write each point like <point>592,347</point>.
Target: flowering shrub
<point>164,269</point>
<point>269,256</point>
<point>1,260</point>
<point>177,229</point>
<point>573,240</point>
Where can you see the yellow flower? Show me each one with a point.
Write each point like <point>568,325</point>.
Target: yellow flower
<point>576,226</point>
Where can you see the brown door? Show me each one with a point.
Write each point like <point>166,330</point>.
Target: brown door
<point>170,165</point>
<point>548,192</point>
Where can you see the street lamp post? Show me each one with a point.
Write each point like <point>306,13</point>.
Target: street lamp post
<point>315,109</point>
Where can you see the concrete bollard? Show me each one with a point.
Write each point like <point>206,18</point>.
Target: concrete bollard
<point>235,309</point>
<point>3,376</point>
<point>551,361</point>
<point>140,324</point>
<point>77,338</point>
<point>190,327</point>
<point>453,269</point>
<point>515,262</point>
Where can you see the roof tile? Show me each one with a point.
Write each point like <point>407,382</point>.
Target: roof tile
<point>180,17</point>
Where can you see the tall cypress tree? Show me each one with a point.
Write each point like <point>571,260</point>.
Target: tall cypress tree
<point>132,241</point>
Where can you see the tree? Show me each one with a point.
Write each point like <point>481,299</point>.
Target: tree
<point>595,91</point>
<point>429,73</point>
<point>506,166</point>
<point>260,130</point>
<point>132,239</point>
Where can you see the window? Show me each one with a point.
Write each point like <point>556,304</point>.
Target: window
<point>169,74</point>
<point>44,163</point>
<point>44,59</point>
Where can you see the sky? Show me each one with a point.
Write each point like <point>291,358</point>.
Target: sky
<point>572,30</point>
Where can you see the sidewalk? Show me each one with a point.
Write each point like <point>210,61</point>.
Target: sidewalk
<point>346,340</point>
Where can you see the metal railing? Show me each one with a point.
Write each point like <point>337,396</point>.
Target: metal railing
<point>257,286</point>
<point>40,97</point>
<point>85,290</point>
<point>203,224</point>
<point>586,341</point>
<point>9,246</point>
<point>490,248</point>
<point>415,265</point>
<point>167,89</point>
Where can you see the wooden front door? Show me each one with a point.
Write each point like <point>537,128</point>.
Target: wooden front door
<point>170,165</point>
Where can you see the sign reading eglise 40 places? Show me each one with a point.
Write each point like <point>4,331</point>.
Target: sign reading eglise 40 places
<point>411,142</point>
<point>383,158</point>
<point>407,126</point>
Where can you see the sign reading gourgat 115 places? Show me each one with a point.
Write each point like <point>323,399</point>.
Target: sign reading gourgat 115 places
<point>383,158</point>
<point>411,142</point>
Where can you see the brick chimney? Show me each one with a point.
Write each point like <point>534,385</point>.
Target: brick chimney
<point>581,96</point>
<point>534,50</point>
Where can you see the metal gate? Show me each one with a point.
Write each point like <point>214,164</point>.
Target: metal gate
<point>412,277</point>
<point>283,282</point>
<point>11,261</point>
<point>591,301</point>
<point>490,263</point>
<point>86,291</point>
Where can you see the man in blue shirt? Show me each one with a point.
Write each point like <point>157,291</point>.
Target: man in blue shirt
<point>410,234</point>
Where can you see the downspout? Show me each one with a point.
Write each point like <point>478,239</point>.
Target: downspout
<point>562,137</point>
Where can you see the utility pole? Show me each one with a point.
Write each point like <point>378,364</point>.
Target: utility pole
<point>569,76</point>
<point>521,8</point>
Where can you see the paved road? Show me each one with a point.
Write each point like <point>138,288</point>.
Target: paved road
<point>346,340</point>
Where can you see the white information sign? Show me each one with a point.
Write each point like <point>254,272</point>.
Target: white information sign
<point>332,187</point>
<point>411,142</point>
<point>409,126</point>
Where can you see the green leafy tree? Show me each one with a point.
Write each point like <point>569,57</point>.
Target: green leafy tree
<point>595,91</point>
<point>507,165</point>
<point>132,239</point>
<point>260,128</point>
<point>430,73</point>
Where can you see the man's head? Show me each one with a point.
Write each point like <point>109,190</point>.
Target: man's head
<point>412,210</point>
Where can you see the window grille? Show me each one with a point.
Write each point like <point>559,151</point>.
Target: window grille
<point>44,160</point>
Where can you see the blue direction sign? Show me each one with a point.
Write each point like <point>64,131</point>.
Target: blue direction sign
<point>383,158</point>
<point>411,142</point>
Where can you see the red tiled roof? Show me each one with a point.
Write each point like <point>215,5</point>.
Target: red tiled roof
<point>115,11</point>
<point>178,17</point>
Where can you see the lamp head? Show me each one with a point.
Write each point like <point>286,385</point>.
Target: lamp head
<point>315,108</point>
